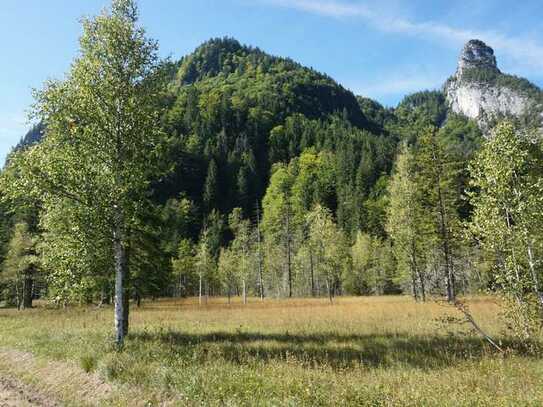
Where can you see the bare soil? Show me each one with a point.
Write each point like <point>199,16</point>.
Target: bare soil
<point>45,382</point>
<point>14,394</point>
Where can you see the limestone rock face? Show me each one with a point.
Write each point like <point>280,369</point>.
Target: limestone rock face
<point>478,89</point>
<point>476,54</point>
<point>482,102</point>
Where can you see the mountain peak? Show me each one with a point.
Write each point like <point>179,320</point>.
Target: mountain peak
<point>476,54</point>
<point>480,91</point>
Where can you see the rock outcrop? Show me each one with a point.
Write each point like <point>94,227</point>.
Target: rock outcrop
<point>480,91</point>
<point>476,54</point>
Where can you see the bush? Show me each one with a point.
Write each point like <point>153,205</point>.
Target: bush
<point>88,363</point>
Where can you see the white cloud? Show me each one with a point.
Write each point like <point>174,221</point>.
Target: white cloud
<point>327,8</point>
<point>525,52</point>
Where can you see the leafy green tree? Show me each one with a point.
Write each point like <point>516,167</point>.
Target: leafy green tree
<point>372,268</point>
<point>313,182</point>
<point>184,268</point>
<point>405,224</point>
<point>77,256</point>
<point>228,267</point>
<point>177,219</point>
<point>21,267</point>
<point>331,251</point>
<point>103,134</point>
<point>507,220</point>
<point>356,279</point>
<point>278,221</point>
<point>242,247</point>
<point>205,266</point>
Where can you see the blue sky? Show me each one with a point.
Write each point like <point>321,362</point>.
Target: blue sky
<point>381,49</point>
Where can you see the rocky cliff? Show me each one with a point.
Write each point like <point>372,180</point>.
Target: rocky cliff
<point>480,91</point>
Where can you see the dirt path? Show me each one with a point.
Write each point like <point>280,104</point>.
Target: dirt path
<point>15,394</point>
<point>29,381</point>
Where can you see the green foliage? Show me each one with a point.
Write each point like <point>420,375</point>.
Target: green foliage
<point>98,157</point>
<point>406,224</point>
<point>329,246</point>
<point>20,267</point>
<point>375,112</point>
<point>225,130</point>
<point>88,363</point>
<point>184,269</point>
<point>237,111</point>
<point>428,105</point>
<point>205,263</point>
<point>373,267</point>
<point>507,219</point>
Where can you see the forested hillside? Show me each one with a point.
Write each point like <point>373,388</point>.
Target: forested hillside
<point>233,172</point>
<point>235,120</point>
<point>259,235</point>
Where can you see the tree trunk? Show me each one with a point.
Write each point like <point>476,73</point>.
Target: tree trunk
<point>535,278</point>
<point>200,290</point>
<point>137,298</point>
<point>414,270</point>
<point>244,292</point>
<point>121,326</point>
<point>104,295</point>
<point>414,286</point>
<point>312,271</point>
<point>422,286</point>
<point>18,294</point>
<point>260,266</point>
<point>27,292</point>
<point>289,261</point>
<point>449,274</point>
<point>444,231</point>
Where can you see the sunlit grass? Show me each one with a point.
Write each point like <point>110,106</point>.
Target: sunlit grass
<point>358,351</point>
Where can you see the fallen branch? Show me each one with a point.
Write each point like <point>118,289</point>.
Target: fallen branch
<point>464,310</point>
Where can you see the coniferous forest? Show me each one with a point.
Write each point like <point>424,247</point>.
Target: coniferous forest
<point>244,176</point>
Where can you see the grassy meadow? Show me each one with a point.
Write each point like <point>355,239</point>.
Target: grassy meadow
<point>359,351</point>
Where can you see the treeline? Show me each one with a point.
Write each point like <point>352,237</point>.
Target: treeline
<point>234,172</point>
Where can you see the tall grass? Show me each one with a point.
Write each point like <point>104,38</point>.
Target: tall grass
<point>358,351</point>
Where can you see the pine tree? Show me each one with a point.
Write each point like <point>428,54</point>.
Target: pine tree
<point>210,186</point>
<point>437,178</point>
<point>406,225</point>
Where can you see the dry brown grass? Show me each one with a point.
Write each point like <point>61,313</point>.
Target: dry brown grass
<point>357,351</point>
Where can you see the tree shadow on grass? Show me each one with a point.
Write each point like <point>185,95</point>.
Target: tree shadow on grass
<point>329,349</point>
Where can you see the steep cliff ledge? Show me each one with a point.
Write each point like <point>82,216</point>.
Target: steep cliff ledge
<point>482,92</point>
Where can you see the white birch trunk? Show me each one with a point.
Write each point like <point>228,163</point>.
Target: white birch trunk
<point>120,264</point>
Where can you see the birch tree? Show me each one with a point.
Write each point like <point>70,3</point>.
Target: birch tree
<point>330,247</point>
<point>507,182</point>
<point>102,137</point>
<point>241,247</point>
<point>204,266</point>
